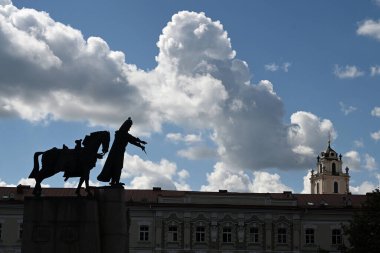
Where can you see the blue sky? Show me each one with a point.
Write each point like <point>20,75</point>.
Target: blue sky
<point>237,95</point>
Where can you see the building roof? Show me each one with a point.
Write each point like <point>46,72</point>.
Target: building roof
<point>186,198</point>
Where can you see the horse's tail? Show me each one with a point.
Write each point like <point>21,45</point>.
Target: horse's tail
<point>36,166</point>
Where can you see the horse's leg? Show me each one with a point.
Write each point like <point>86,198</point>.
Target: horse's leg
<point>37,188</point>
<point>77,191</point>
<point>86,179</point>
<point>42,174</point>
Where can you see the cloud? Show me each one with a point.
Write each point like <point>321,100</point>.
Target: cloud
<point>346,109</point>
<point>31,182</point>
<point>376,2</point>
<point>286,66</point>
<point>352,160</point>
<point>197,153</point>
<point>3,183</point>
<point>309,134</point>
<point>5,2</point>
<point>78,79</point>
<point>273,67</point>
<point>359,143</point>
<point>188,139</point>
<point>74,184</point>
<point>147,174</point>
<point>375,135</point>
<point>223,178</point>
<point>376,111</point>
<point>370,28</point>
<point>375,70</point>
<point>306,184</point>
<point>363,188</point>
<point>370,162</point>
<point>51,72</point>
<point>347,72</point>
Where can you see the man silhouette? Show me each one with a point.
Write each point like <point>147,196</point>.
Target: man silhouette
<point>114,164</point>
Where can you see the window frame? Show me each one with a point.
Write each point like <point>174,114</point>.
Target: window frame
<point>309,237</point>
<point>227,235</point>
<point>144,233</point>
<point>173,233</point>
<point>254,234</point>
<point>282,237</point>
<point>336,236</point>
<point>200,234</point>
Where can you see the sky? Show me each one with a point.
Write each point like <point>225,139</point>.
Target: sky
<point>234,95</point>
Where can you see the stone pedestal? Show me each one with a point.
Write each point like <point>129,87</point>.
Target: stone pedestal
<point>113,219</point>
<point>76,224</point>
<point>60,225</point>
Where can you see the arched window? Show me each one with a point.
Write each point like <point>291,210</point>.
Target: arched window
<point>335,187</point>
<point>334,169</point>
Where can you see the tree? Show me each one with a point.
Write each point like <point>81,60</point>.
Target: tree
<point>364,230</point>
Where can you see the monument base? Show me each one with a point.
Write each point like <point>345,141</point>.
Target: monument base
<point>76,224</point>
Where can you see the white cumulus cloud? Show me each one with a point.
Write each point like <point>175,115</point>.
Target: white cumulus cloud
<point>370,28</point>
<point>375,135</point>
<point>51,72</point>
<point>375,70</point>
<point>363,188</point>
<point>375,111</point>
<point>5,184</point>
<point>31,182</point>
<point>352,160</point>
<point>346,109</point>
<point>224,178</point>
<point>306,184</point>
<point>347,72</point>
<point>188,139</point>
<point>74,184</point>
<point>370,162</point>
<point>197,153</point>
<point>144,174</point>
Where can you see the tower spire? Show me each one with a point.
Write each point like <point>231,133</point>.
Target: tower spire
<point>329,138</point>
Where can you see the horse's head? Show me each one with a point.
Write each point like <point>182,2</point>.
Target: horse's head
<point>105,141</point>
<point>95,139</point>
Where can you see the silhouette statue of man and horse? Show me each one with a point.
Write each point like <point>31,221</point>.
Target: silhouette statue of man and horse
<point>79,161</point>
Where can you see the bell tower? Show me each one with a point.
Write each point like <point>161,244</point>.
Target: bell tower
<point>328,178</point>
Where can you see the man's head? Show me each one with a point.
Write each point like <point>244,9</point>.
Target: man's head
<point>129,122</point>
<point>126,125</point>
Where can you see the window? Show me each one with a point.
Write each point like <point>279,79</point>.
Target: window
<point>20,230</point>
<point>309,236</point>
<point>254,234</point>
<point>334,169</point>
<point>317,188</point>
<point>335,187</point>
<point>336,236</point>
<point>227,234</point>
<point>144,233</point>
<point>320,168</point>
<point>200,233</point>
<point>281,235</point>
<point>173,233</point>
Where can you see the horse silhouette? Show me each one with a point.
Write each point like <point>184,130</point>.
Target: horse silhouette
<point>73,162</point>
